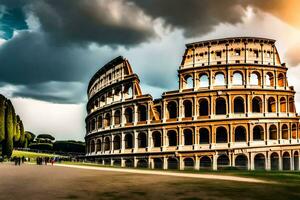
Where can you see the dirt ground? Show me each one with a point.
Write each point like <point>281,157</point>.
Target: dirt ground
<point>52,182</point>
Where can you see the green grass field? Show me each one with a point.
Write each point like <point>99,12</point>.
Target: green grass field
<point>32,155</point>
<point>282,185</point>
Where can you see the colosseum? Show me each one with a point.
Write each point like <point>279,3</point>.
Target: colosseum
<point>233,108</point>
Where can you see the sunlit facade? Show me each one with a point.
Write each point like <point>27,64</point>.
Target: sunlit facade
<point>233,108</point>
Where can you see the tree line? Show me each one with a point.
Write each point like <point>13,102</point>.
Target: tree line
<point>12,132</point>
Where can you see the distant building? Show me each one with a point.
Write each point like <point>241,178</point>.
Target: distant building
<point>233,108</point>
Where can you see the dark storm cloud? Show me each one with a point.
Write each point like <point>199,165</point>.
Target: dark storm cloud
<point>28,58</point>
<point>85,21</point>
<point>59,52</point>
<point>52,91</point>
<point>193,16</point>
<point>198,17</point>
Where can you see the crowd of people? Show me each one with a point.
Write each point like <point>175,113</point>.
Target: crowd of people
<point>44,160</point>
<point>18,160</point>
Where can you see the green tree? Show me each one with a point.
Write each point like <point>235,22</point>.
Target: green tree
<point>22,134</point>
<point>9,128</point>
<point>2,117</point>
<point>17,129</point>
<point>29,136</point>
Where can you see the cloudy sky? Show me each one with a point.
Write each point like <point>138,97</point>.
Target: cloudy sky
<point>49,49</point>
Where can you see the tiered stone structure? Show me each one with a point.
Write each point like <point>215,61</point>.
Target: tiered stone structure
<point>233,108</point>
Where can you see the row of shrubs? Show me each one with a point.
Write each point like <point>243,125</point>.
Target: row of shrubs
<point>60,146</point>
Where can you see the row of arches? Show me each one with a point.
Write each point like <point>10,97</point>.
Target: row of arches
<point>221,135</point>
<point>286,161</point>
<point>106,121</point>
<point>237,78</point>
<point>115,94</point>
<point>239,106</point>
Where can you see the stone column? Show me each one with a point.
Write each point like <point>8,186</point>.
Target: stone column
<point>197,163</point>
<point>180,109</point>
<point>135,140</point>
<point>122,142</point>
<point>135,114</point>
<point>122,162</point>
<point>148,113</point>
<point>135,162</point>
<point>215,162</point>
<point>165,162</point>
<point>195,106</point>
<point>280,161</point>
<point>181,163</point>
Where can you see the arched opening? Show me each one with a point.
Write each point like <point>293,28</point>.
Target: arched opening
<point>221,135</point>
<point>93,124</point>
<point>172,138</point>
<point>271,104</point>
<point>239,106</point>
<point>274,161</point>
<point>205,163</point>
<point>219,79</point>
<point>129,163</point>
<point>296,161</point>
<point>220,106</point>
<point>237,78</point>
<point>107,120</point>
<point>269,79</point>
<point>240,134</point>
<point>273,132</point>
<point>128,141</point>
<point>107,144</point>
<point>107,161</point>
<point>258,133</point>
<point>223,161</point>
<point>188,108</point>
<point>259,162</point>
<point>188,164</point>
<point>117,163</point>
<point>158,163</point>
<point>204,136</point>
<point>294,131</point>
<point>142,113</point>
<point>204,82</point>
<point>128,115</point>
<point>286,161</point>
<point>241,162</point>
<point>156,137</point>
<point>117,117</point>
<point>142,140</point>
<point>92,146</point>
<point>172,163</point>
<point>285,132</point>
<point>255,78</point>
<point>281,81</point>
<point>172,110</point>
<point>256,105</point>
<point>127,92</point>
<point>188,137</point>
<point>100,125</point>
<point>203,107</point>
<point>282,104</point>
<point>188,82</point>
<point>98,145</point>
<point>291,105</point>
<point>117,142</point>
<point>142,163</point>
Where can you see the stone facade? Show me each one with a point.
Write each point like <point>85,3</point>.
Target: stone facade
<point>233,108</point>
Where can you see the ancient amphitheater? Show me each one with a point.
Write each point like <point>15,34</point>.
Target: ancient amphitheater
<point>233,108</point>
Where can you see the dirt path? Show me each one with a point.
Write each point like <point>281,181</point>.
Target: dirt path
<point>165,173</point>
